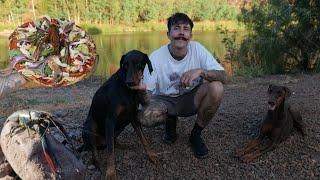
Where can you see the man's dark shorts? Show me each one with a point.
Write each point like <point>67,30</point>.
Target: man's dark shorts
<point>181,106</point>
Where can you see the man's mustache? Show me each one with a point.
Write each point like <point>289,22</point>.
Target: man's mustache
<point>181,38</point>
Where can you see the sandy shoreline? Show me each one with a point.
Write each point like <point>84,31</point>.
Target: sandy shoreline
<point>237,121</point>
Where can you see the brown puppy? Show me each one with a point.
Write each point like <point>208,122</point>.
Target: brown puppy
<point>277,125</point>
<point>114,106</point>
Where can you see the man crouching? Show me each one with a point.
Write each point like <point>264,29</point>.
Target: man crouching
<point>186,80</point>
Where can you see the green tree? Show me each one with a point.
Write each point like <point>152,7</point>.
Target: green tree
<point>114,11</point>
<point>285,35</point>
<point>129,10</point>
<point>56,8</point>
<point>12,10</point>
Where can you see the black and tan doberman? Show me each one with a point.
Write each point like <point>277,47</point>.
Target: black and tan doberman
<point>114,106</point>
<point>280,120</point>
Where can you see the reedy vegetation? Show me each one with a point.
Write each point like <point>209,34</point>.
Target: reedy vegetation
<point>283,37</point>
<point>115,11</point>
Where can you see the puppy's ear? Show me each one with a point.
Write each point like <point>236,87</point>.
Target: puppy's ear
<point>148,62</point>
<point>287,92</point>
<point>122,61</point>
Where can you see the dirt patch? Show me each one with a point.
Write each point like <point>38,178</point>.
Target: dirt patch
<point>237,121</point>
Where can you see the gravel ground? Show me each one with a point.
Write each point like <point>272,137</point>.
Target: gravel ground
<point>236,122</point>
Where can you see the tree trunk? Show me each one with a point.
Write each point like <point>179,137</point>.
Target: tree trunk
<point>33,10</point>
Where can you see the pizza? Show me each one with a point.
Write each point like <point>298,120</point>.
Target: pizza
<point>51,52</point>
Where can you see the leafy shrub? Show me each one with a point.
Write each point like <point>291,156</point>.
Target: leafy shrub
<point>93,30</point>
<point>284,34</point>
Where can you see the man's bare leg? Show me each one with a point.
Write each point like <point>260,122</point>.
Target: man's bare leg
<point>207,101</point>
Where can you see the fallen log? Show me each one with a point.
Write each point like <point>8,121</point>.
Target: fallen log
<point>23,150</point>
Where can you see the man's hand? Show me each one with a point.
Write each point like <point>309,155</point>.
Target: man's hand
<point>189,76</point>
<point>214,75</point>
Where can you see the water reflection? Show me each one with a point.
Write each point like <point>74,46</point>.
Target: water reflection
<point>111,47</point>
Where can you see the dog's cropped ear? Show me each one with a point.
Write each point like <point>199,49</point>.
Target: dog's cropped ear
<point>287,92</point>
<point>148,62</point>
<point>122,61</point>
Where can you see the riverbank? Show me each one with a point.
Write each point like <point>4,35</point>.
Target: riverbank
<point>105,29</point>
<point>237,120</point>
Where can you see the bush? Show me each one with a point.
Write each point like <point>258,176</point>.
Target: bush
<point>284,34</point>
<point>91,29</point>
<point>249,71</point>
<point>94,30</point>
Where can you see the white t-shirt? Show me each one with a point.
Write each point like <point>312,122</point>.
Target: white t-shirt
<point>165,78</point>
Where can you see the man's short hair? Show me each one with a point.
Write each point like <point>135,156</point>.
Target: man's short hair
<point>178,18</point>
